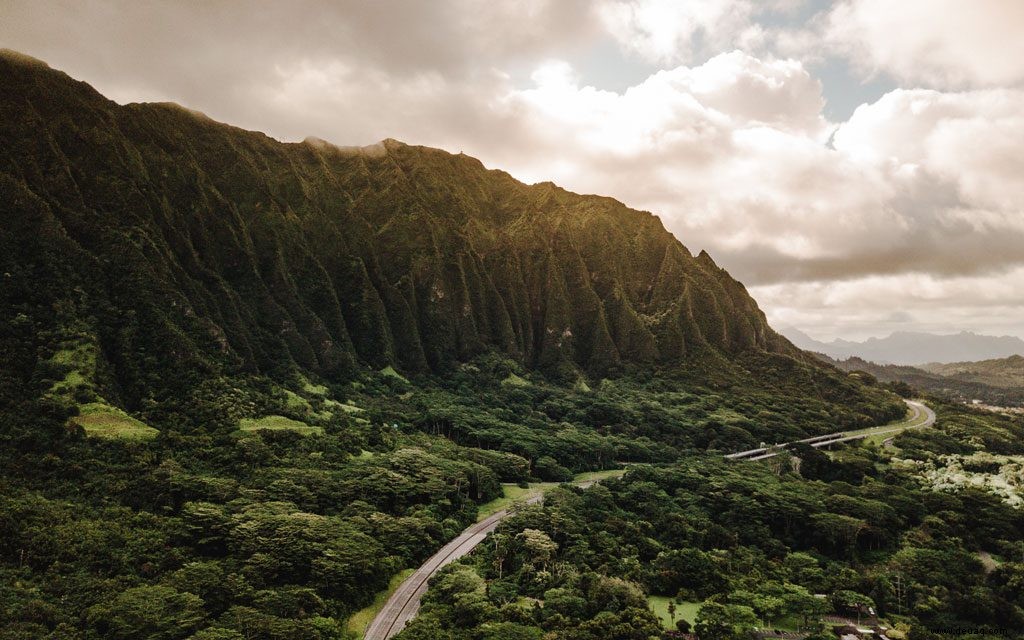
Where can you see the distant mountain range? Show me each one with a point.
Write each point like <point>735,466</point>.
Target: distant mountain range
<point>997,382</point>
<point>912,348</point>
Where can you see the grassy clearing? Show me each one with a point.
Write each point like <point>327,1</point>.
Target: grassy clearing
<point>361,619</point>
<point>685,610</point>
<point>104,421</point>
<point>81,356</point>
<point>313,389</point>
<point>71,381</point>
<point>878,439</point>
<point>344,406</point>
<point>514,380</point>
<point>514,494</point>
<point>595,476</point>
<point>81,359</point>
<point>277,423</point>
<point>295,402</point>
<point>390,372</point>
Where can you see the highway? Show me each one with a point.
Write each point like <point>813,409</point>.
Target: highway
<point>921,417</point>
<point>403,604</point>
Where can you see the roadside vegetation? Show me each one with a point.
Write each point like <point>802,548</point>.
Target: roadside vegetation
<point>280,509</point>
<point>735,547</point>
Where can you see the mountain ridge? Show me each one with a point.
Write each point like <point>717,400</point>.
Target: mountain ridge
<point>152,225</point>
<point>997,372</point>
<point>912,347</point>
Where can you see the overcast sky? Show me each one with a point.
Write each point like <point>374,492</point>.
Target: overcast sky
<point>858,164</point>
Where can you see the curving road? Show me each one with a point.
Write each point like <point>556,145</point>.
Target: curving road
<point>922,417</point>
<point>403,604</point>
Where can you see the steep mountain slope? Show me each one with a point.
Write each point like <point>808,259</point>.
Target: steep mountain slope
<point>244,383</point>
<point>183,246</point>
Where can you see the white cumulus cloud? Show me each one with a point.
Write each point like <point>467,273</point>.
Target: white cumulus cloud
<point>941,43</point>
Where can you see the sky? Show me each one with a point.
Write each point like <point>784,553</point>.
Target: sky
<point>858,164</point>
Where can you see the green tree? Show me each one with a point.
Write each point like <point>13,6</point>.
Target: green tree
<point>511,631</point>
<point>156,612</point>
<point>716,621</point>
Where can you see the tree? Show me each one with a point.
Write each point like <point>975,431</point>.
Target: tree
<point>547,468</point>
<point>511,631</point>
<point>207,580</point>
<point>538,548</point>
<point>156,612</point>
<point>799,601</point>
<point>716,621</point>
<point>838,532</point>
<point>565,602</point>
<point>766,604</point>
<point>846,600</point>
<point>216,633</point>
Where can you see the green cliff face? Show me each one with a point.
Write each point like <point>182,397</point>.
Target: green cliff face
<point>180,246</point>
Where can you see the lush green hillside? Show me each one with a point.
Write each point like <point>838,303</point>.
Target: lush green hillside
<point>925,531</point>
<point>243,383</point>
<point>1006,373</point>
<point>238,252</point>
<point>994,382</point>
<point>148,250</point>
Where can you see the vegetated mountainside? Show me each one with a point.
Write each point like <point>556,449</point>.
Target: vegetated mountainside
<point>198,246</point>
<point>913,348</point>
<point>170,249</point>
<point>1007,373</point>
<point>205,430</point>
<point>994,382</point>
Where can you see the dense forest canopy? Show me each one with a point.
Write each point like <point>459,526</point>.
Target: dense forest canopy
<point>244,383</point>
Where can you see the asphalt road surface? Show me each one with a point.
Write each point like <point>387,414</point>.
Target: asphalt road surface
<point>922,417</point>
<point>403,604</point>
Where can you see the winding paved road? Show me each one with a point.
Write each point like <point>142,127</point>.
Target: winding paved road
<point>912,422</point>
<point>403,604</point>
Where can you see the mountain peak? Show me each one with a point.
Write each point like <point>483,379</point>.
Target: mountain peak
<point>16,57</point>
<point>259,252</point>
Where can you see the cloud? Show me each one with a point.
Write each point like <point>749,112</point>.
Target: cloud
<point>921,188</point>
<point>940,43</point>
<point>861,308</point>
<point>732,155</point>
<point>212,54</point>
<point>970,139</point>
<point>666,31</point>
